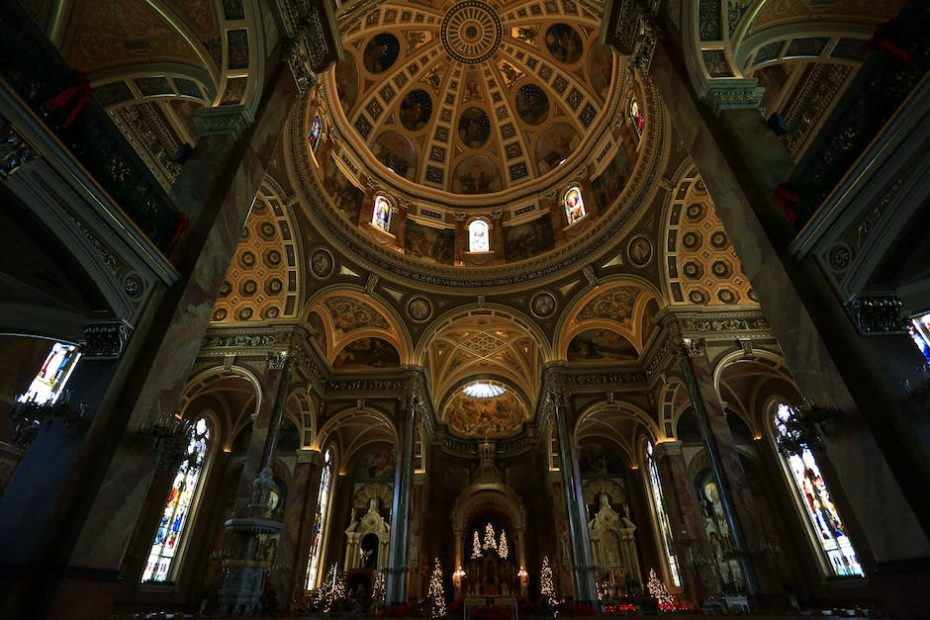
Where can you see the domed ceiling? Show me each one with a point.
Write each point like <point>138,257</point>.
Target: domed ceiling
<point>471,97</point>
<point>444,113</point>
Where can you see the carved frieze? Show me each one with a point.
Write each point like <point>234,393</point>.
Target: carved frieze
<point>104,340</point>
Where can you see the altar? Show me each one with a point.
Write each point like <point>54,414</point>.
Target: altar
<point>478,602</point>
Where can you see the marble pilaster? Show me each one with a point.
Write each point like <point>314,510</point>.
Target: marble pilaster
<point>691,545</point>
<point>575,510</point>
<point>294,545</point>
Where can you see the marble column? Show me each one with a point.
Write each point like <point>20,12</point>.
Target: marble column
<point>216,188</point>
<point>691,546</point>
<point>882,468</point>
<point>400,515</point>
<point>736,500</point>
<point>582,565</point>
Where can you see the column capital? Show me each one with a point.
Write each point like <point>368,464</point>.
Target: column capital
<point>876,315</point>
<point>105,340</point>
<point>733,94</point>
<point>313,457</point>
<point>231,120</point>
<point>688,347</point>
<point>667,448</point>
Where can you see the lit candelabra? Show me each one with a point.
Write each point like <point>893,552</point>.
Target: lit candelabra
<point>28,415</point>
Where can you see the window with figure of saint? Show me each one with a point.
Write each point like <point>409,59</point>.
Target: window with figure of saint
<point>919,329</point>
<point>169,538</point>
<point>826,525</point>
<point>573,202</point>
<point>319,521</point>
<point>316,130</point>
<point>50,381</point>
<point>637,119</point>
<point>665,528</point>
<point>381,215</point>
<point>478,237</point>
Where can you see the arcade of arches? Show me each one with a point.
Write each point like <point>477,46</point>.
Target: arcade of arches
<point>309,292</point>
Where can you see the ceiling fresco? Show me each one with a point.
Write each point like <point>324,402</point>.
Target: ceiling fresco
<point>479,418</point>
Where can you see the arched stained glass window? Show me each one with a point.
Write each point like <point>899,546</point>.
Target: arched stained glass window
<point>919,329</point>
<point>316,130</point>
<point>636,117</point>
<point>50,381</point>
<point>162,563</point>
<point>824,519</point>
<point>574,205</point>
<point>381,215</point>
<point>319,520</point>
<point>479,236</point>
<point>658,502</point>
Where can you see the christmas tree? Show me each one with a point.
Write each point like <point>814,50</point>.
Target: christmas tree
<point>489,542</point>
<point>378,590</point>
<point>550,597</point>
<point>502,549</point>
<point>436,594</point>
<point>659,592</point>
<point>333,591</point>
<point>475,546</point>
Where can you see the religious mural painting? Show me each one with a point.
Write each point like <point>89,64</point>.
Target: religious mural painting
<point>368,352</point>
<point>161,565</point>
<point>347,87</point>
<point>532,104</point>
<point>528,239</point>
<point>416,109</point>
<point>381,52</point>
<point>476,175</point>
<point>608,186</point>
<point>426,242</point>
<point>564,43</point>
<point>492,417</point>
<point>601,68</point>
<point>346,197</point>
<point>600,345</point>
<point>474,128</point>
<point>397,153</point>
<point>554,146</point>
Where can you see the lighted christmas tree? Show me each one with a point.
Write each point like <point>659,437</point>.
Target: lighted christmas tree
<point>489,541</point>
<point>475,546</point>
<point>659,592</point>
<point>547,591</point>
<point>436,594</point>
<point>378,590</point>
<point>333,591</point>
<point>502,549</point>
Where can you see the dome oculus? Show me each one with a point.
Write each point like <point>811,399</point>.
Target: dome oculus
<point>471,32</point>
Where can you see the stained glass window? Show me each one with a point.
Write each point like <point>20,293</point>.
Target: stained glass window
<point>319,520</point>
<point>658,502</point>
<point>919,330</point>
<point>826,524</point>
<point>54,373</point>
<point>381,215</point>
<point>574,205</point>
<point>316,129</point>
<point>478,237</point>
<point>636,117</point>
<point>161,565</point>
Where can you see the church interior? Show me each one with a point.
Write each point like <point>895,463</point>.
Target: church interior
<point>497,308</point>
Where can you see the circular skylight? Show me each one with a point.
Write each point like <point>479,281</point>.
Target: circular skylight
<point>483,389</point>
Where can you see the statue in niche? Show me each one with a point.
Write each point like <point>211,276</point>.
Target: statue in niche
<point>613,543</point>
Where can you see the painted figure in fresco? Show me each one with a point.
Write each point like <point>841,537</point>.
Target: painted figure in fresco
<point>563,43</point>
<point>415,110</point>
<point>532,104</point>
<point>381,52</point>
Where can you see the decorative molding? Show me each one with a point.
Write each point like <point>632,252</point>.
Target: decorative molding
<point>104,340</point>
<point>877,315</point>
<point>733,94</point>
<point>230,120</point>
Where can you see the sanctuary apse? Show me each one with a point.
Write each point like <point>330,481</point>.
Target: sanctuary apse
<point>424,308</point>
